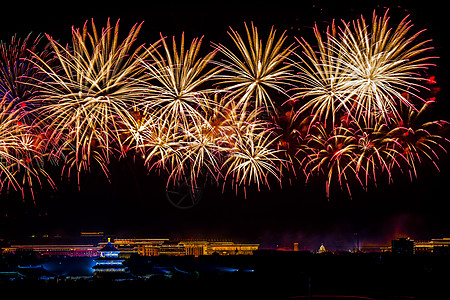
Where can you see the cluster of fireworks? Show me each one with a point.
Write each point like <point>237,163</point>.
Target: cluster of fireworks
<point>348,107</point>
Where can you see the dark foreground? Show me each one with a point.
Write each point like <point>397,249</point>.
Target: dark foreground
<point>263,276</point>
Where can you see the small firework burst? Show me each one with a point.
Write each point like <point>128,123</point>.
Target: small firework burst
<point>331,153</point>
<point>253,158</point>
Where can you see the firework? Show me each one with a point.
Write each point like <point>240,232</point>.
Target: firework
<point>253,158</point>
<point>376,154</point>
<point>350,154</point>
<point>320,78</point>
<point>258,70</point>
<point>88,92</point>
<point>361,91</point>
<point>363,71</point>
<point>332,153</point>
<point>159,147</point>
<point>173,107</point>
<point>176,91</point>
<point>380,65</point>
<point>417,141</point>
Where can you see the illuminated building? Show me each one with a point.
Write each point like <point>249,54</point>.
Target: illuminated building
<point>172,250</point>
<point>374,247</point>
<point>322,249</point>
<point>56,250</point>
<point>230,248</point>
<point>195,248</point>
<point>433,246</point>
<point>156,247</point>
<point>109,261</point>
<point>148,247</point>
<point>92,234</point>
<point>437,246</point>
<point>143,247</point>
<point>403,246</point>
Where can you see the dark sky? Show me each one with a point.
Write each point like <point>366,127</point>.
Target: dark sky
<point>134,204</point>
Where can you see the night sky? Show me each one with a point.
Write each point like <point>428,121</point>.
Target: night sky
<point>134,203</point>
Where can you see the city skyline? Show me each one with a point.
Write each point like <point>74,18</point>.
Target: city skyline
<point>87,243</point>
<point>404,269</point>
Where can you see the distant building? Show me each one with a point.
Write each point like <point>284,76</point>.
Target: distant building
<point>109,261</point>
<point>172,250</point>
<point>403,246</point>
<point>357,245</point>
<point>92,234</point>
<point>230,248</point>
<point>322,249</point>
<point>156,247</point>
<point>143,247</point>
<point>56,250</point>
<point>195,248</point>
<point>438,246</point>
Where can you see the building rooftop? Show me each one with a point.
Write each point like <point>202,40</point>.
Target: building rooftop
<point>108,248</point>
